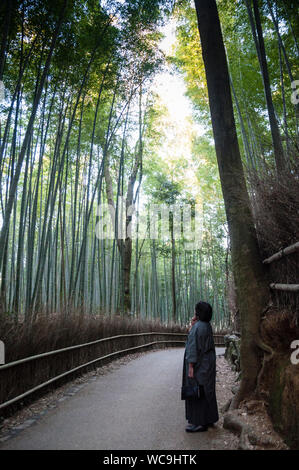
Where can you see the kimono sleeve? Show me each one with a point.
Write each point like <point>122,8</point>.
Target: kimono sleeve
<point>191,347</point>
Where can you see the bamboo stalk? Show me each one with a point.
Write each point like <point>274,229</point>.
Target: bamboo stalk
<point>286,251</point>
<point>285,287</point>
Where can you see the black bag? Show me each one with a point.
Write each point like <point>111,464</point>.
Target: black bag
<point>190,391</point>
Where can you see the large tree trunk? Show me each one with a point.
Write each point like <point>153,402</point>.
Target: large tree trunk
<point>251,287</point>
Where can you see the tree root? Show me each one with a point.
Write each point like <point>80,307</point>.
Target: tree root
<point>247,437</point>
<point>235,401</point>
<point>226,406</point>
<point>267,349</point>
<point>234,424</point>
<point>240,394</point>
<point>253,406</point>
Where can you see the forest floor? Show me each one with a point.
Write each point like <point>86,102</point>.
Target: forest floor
<point>84,402</point>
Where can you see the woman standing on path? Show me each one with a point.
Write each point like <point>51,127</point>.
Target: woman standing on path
<point>200,368</point>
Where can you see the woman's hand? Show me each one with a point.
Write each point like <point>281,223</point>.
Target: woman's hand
<point>191,371</point>
<point>193,321</point>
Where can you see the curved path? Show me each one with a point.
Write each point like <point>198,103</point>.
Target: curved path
<point>135,407</point>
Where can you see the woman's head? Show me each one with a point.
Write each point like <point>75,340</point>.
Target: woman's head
<point>203,311</point>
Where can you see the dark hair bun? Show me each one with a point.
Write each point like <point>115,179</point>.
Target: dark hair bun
<point>203,311</point>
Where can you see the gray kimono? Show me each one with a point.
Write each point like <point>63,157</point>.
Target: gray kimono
<point>200,350</point>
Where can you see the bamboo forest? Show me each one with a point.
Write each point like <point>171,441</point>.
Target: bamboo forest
<point>149,161</point>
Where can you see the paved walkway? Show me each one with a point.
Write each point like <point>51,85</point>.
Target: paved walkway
<point>135,407</point>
